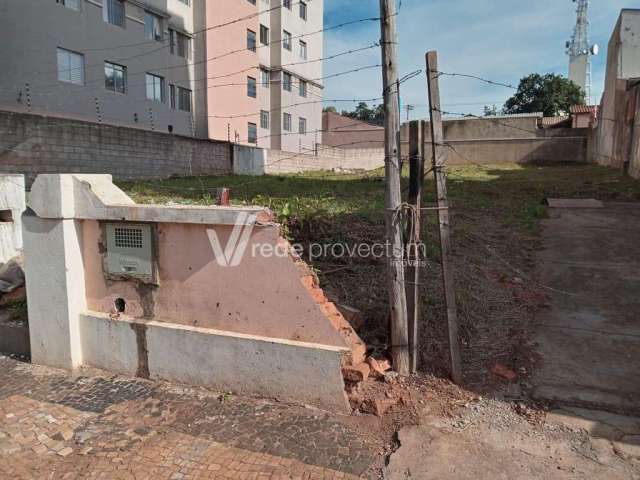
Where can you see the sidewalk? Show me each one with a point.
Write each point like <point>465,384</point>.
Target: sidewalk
<point>53,425</point>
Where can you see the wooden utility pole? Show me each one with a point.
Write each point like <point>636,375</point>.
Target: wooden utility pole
<point>416,176</point>
<point>439,153</point>
<point>393,195</point>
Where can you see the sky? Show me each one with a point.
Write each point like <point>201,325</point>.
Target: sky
<point>501,40</point>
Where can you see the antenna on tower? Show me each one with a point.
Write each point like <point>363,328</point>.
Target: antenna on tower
<point>579,50</point>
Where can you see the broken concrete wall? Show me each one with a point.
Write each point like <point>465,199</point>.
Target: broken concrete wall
<point>12,204</point>
<point>219,310</point>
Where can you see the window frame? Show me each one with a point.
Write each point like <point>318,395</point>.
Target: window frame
<point>303,88</point>
<point>287,40</point>
<point>162,87</point>
<point>115,67</point>
<point>155,17</point>
<point>107,15</point>
<point>172,96</point>
<point>252,138</point>
<point>65,5</point>
<point>287,121</point>
<point>264,119</point>
<point>286,4</point>
<point>302,122</point>
<point>252,87</point>
<point>178,39</point>
<point>265,78</point>
<point>180,91</point>
<point>304,10</point>
<point>303,49</point>
<point>252,40</point>
<point>287,84</point>
<point>264,34</point>
<point>70,54</point>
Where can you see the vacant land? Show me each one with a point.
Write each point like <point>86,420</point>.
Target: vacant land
<point>496,226</point>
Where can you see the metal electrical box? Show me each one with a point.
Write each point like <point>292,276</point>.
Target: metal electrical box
<point>129,250</point>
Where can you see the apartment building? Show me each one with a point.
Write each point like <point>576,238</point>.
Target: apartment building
<point>264,77</point>
<point>134,63</point>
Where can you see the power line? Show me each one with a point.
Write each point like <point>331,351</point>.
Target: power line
<point>465,75</point>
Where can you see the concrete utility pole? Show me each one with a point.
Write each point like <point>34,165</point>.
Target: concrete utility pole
<point>393,199</point>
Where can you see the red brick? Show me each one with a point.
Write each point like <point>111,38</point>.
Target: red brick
<point>356,374</point>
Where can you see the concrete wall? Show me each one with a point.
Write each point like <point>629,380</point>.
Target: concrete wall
<point>33,144</point>
<point>12,204</point>
<point>344,132</point>
<point>253,324</point>
<point>194,290</point>
<point>32,30</point>
<point>623,63</point>
<point>272,162</point>
<point>290,371</point>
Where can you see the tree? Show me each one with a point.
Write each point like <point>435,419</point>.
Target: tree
<point>330,109</point>
<point>550,94</point>
<point>368,114</point>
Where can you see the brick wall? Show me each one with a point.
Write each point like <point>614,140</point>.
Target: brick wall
<point>33,144</point>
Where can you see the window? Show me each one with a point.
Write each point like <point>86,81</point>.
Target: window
<point>287,3</point>
<point>252,133</point>
<point>180,44</point>
<point>252,2</point>
<point>152,26</point>
<point>264,35</point>
<point>70,67</point>
<point>251,87</point>
<point>70,4</point>
<point>302,126</point>
<point>303,10</point>
<point>115,77</point>
<point>251,40</point>
<point>303,88</point>
<point>286,81</point>
<point>303,49</point>
<point>264,119</point>
<point>172,96</point>
<point>184,99</point>
<point>113,12</point>
<point>265,78</point>
<point>286,122</point>
<point>155,88</point>
<point>286,40</point>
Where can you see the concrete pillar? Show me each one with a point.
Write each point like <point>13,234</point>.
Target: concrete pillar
<point>55,289</point>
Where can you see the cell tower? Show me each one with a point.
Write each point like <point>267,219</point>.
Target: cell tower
<point>579,50</point>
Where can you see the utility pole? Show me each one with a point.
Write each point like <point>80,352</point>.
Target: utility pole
<point>409,109</point>
<point>414,250</point>
<point>439,157</point>
<point>393,194</point>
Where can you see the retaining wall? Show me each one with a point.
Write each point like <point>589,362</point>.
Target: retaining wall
<point>33,144</point>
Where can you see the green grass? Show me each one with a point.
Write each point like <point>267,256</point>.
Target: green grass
<point>514,192</point>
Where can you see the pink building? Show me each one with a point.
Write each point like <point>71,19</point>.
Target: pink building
<point>264,88</point>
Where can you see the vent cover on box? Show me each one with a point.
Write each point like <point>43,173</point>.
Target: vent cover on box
<point>129,250</point>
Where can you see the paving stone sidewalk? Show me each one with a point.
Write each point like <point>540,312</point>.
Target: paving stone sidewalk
<point>61,426</point>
